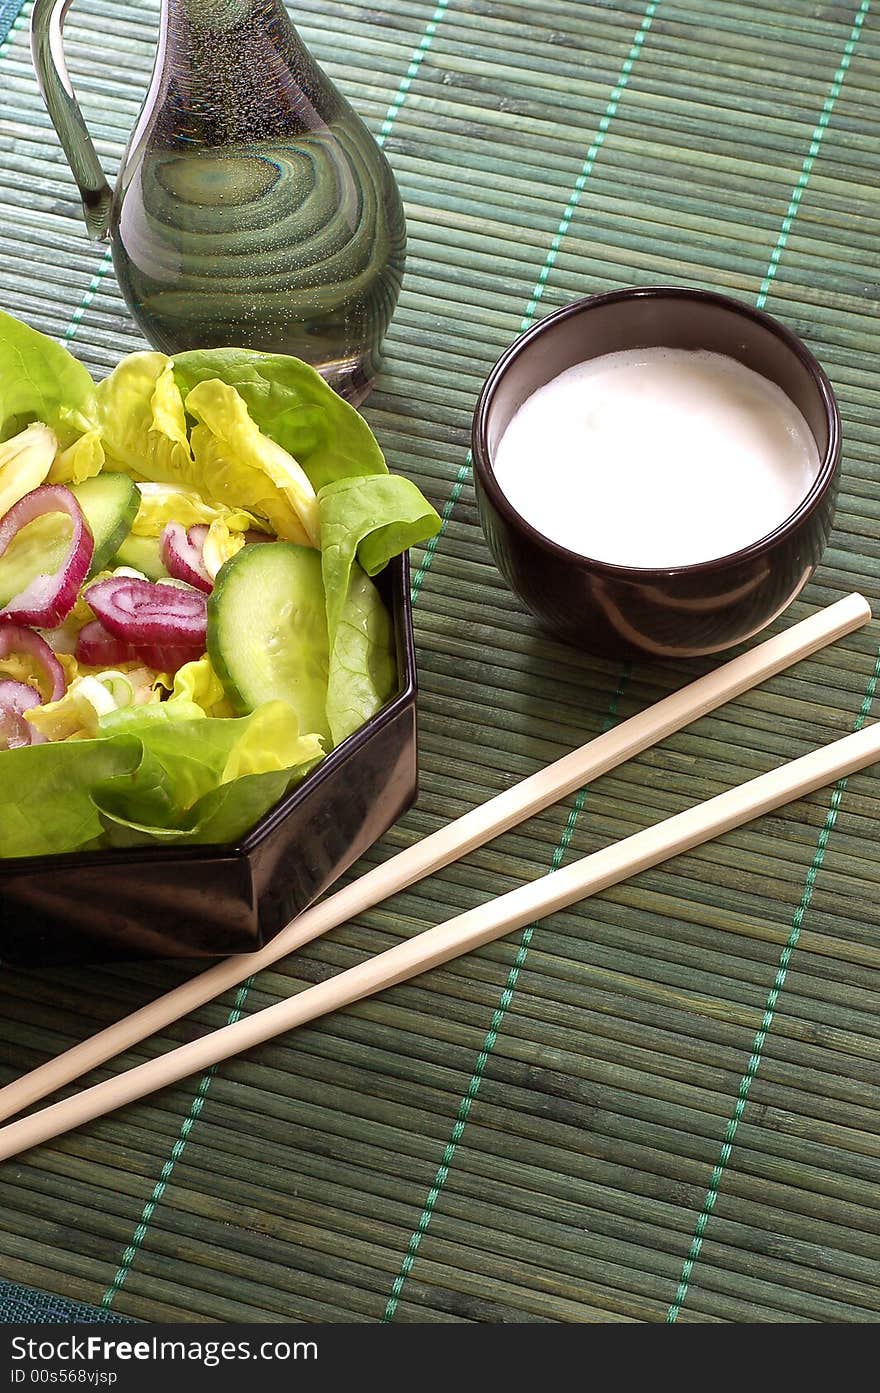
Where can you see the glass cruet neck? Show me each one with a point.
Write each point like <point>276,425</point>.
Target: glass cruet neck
<point>225,68</point>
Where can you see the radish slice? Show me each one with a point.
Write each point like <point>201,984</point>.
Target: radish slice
<point>147,612</point>
<point>15,639</point>
<point>48,599</point>
<point>97,647</point>
<point>182,555</point>
<point>15,731</point>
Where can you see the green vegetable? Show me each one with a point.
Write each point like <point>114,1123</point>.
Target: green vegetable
<point>46,793</point>
<point>25,461</point>
<point>267,631</point>
<point>374,518</point>
<point>188,757</point>
<point>268,637</point>
<point>109,503</point>
<point>142,554</point>
<point>235,462</point>
<point>362,671</point>
<point>142,420</point>
<point>292,404</point>
<point>156,775</point>
<point>81,460</point>
<point>163,503</point>
<point>41,381</point>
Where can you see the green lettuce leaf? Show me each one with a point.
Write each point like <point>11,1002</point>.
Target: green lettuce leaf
<point>46,802</point>
<point>362,668</point>
<point>200,777</point>
<point>224,815</point>
<point>198,753</point>
<point>81,460</point>
<point>374,519</point>
<point>364,522</point>
<point>158,773</point>
<point>293,405</point>
<point>41,381</point>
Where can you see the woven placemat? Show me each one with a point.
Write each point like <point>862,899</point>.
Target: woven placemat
<point>662,1105</point>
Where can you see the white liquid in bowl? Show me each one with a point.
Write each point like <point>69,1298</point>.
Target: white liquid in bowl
<point>657,457</point>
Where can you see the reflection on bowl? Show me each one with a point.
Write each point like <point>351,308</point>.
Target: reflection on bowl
<point>209,901</point>
<point>681,611</point>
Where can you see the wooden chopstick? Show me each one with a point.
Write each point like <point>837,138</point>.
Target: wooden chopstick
<point>453,841</point>
<point>460,935</point>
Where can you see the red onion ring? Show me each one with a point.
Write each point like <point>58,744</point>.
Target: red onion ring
<point>147,612</point>
<point>48,599</point>
<point>15,699</point>
<point>15,639</point>
<point>97,647</point>
<point>182,555</point>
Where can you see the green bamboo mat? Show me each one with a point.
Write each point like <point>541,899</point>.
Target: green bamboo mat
<point>662,1105</point>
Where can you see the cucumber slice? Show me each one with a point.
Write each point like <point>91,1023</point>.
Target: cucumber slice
<point>267,631</point>
<point>109,503</point>
<point>142,554</point>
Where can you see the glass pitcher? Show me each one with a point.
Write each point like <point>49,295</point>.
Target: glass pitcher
<point>252,206</point>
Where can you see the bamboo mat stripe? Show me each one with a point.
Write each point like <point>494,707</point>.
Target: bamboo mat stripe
<point>630,1139</point>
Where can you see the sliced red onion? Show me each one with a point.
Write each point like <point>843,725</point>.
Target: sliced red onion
<point>97,647</point>
<point>15,731</point>
<point>147,612</point>
<point>182,555</point>
<point>48,599</point>
<point>15,639</point>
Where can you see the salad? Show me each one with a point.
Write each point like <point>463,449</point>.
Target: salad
<point>188,622</point>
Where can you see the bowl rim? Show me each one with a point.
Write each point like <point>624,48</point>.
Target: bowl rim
<point>400,605</point>
<point>825,477</point>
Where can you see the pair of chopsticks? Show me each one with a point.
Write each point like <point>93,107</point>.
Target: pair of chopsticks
<point>469,930</point>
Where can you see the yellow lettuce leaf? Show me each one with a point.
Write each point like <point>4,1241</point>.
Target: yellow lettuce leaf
<point>238,466</point>
<point>25,461</point>
<point>81,460</point>
<point>197,682</point>
<point>163,503</point>
<point>269,741</point>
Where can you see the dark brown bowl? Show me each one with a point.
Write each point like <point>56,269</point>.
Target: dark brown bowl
<point>208,901</point>
<point>685,611</point>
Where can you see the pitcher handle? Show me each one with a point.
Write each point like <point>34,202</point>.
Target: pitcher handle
<point>47,51</point>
